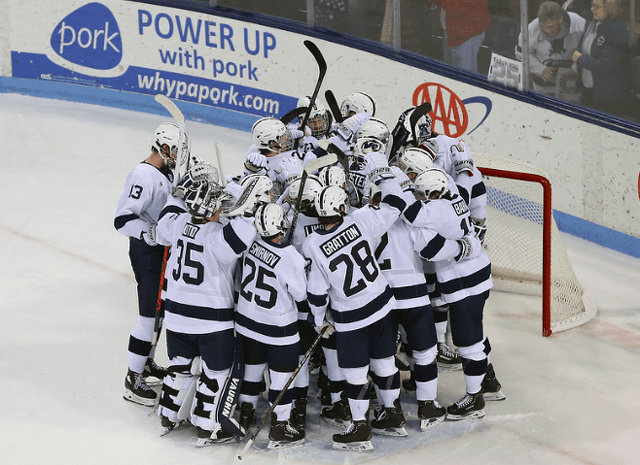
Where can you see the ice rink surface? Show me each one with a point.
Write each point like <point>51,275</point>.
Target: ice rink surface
<point>69,303</point>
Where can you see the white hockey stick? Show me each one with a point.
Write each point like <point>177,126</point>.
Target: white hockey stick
<point>184,155</point>
<point>223,180</point>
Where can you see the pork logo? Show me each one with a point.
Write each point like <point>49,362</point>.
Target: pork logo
<point>88,37</point>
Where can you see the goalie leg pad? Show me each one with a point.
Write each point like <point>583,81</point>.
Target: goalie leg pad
<point>176,389</point>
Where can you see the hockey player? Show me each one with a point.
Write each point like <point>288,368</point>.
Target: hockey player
<point>403,269</point>
<point>344,274</point>
<point>145,192</point>
<point>273,281</point>
<point>463,272</point>
<point>358,102</point>
<point>199,305</point>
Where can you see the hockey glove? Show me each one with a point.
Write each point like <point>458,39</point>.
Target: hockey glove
<point>479,227</point>
<point>186,183</point>
<point>255,163</point>
<point>467,246</point>
<point>377,167</point>
<point>288,171</point>
<point>149,235</point>
<point>349,126</point>
<point>462,158</point>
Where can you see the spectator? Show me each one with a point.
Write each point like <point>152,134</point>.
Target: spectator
<point>601,60</point>
<point>553,37</point>
<point>464,23</point>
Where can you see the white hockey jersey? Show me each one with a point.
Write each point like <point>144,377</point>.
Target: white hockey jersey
<point>145,193</point>
<point>343,269</point>
<point>437,225</point>
<point>200,269</point>
<point>273,279</point>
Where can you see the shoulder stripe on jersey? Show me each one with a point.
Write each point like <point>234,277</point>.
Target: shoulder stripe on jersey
<point>266,329</point>
<point>172,209</point>
<point>317,300</point>
<point>200,313</point>
<point>233,240</point>
<point>395,201</point>
<point>433,247</point>
<point>120,221</point>
<point>359,314</point>
<point>478,189</point>
<point>465,282</point>
<point>412,211</point>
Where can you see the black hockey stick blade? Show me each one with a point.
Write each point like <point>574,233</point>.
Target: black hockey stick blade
<point>295,113</point>
<point>322,71</point>
<point>418,113</point>
<point>333,106</point>
<point>343,159</point>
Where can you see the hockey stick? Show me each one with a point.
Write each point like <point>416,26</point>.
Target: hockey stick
<point>418,113</point>
<point>295,113</point>
<point>322,68</point>
<point>183,157</point>
<point>267,416</point>
<point>333,106</point>
<point>159,306</point>
<point>222,179</point>
<point>315,165</point>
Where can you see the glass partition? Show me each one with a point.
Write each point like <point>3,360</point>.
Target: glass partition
<point>579,51</point>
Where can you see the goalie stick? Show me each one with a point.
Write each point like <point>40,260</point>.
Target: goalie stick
<point>157,327</point>
<point>418,113</point>
<point>322,71</point>
<point>183,157</point>
<point>315,165</point>
<point>267,416</point>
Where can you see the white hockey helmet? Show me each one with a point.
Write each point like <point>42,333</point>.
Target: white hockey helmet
<point>371,136</point>
<point>165,140</point>
<point>333,176</point>
<point>270,220</point>
<point>421,130</point>
<point>434,180</point>
<point>330,200</point>
<point>358,102</point>
<point>203,199</point>
<point>312,185</point>
<point>414,160</point>
<point>319,120</point>
<point>271,134</point>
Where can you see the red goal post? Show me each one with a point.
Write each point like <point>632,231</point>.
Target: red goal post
<point>525,246</point>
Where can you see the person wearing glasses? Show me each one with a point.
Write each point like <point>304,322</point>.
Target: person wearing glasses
<point>601,60</point>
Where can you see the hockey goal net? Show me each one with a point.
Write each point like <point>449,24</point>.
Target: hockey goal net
<point>525,246</point>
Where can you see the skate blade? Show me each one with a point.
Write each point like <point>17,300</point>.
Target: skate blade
<point>468,416</point>
<point>205,442</point>
<point>358,446</point>
<point>494,396</point>
<point>131,397</point>
<point>396,432</point>
<point>279,445</point>
<point>427,423</point>
<point>167,429</point>
<point>339,424</point>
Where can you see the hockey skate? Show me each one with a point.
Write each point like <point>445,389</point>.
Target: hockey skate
<point>136,390</point>
<point>389,421</point>
<point>212,438</point>
<point>470,406</point>
<point>448,359</point>
<point>168,425</point>
<point>299,413</point>
<point>357,436</point>
<point>153,373</point>
<point>430,413</point>
<point>247,416</point>
<point>491,388</point>
<point>283,435</point>
<point>338,415</point>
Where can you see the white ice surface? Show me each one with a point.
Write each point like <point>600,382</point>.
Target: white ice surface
<point>68,304</point>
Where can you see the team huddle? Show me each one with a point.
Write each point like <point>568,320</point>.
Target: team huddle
<point>340,243</point>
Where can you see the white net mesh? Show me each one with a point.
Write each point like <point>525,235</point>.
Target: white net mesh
<point>514,241</point>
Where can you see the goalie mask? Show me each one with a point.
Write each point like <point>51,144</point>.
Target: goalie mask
<point>319,120</point>
<point>421,131</point>
<point>358,102</point>
<point>332,201</point>
<point>271,135</point>
<point>204,199</point>
<point>433,181</point>
<point>165,141</point>
<point>270,220</point>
